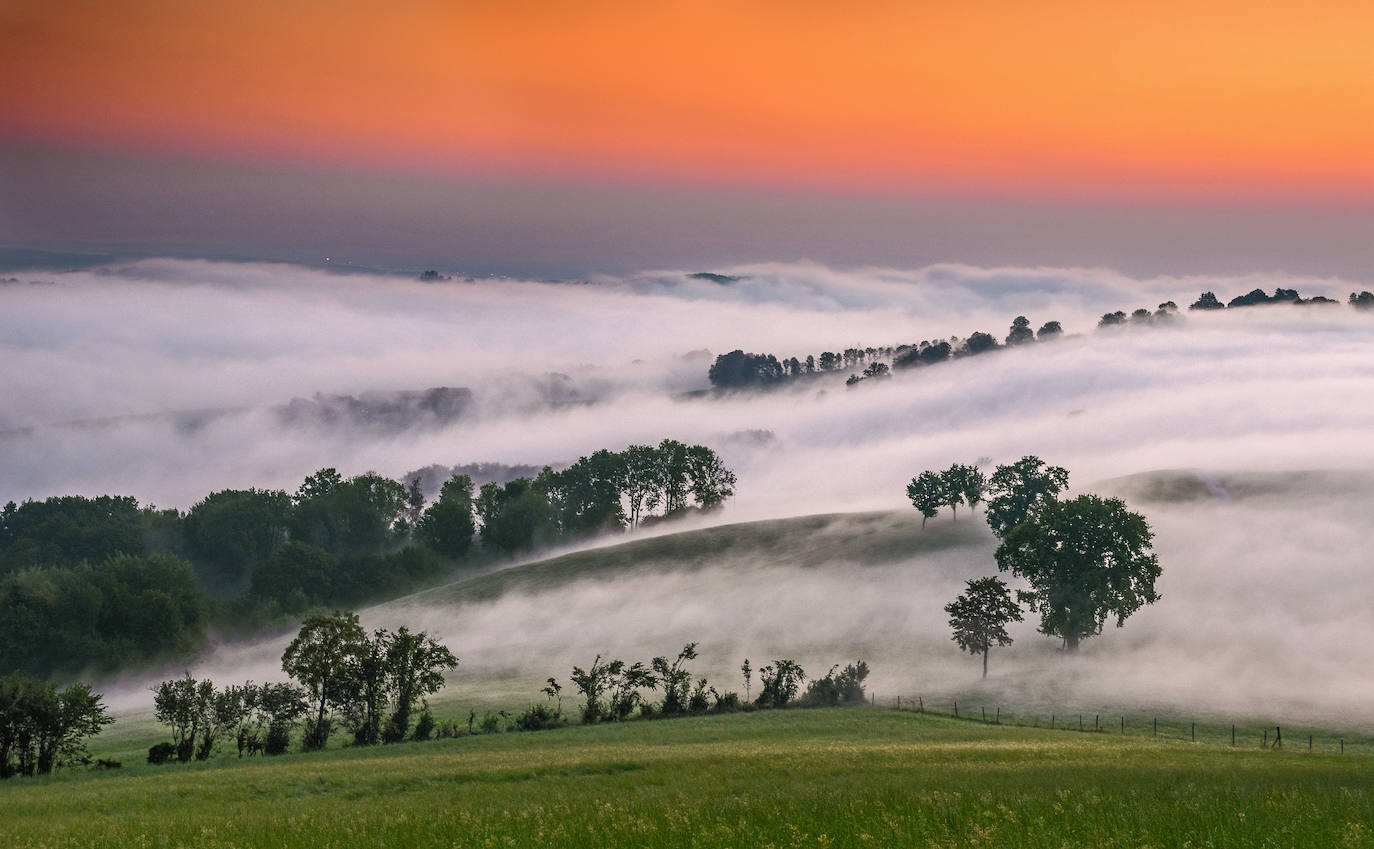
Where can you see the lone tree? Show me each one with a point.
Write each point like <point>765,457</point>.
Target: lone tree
<point>927,494</point>
<point>1016,490</point>
<point>980,615</point>
<point>321,658</point>
<point>962,485</point>
<point>1085,559</point>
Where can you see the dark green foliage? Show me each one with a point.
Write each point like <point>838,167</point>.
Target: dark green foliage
<point>1362,301</point>
<point>356,516</point>
<point>516,517</point>
<point>779,682</point>
<point>1207,301</point>
<point>738,370</point>
<point>42,729</point>
<point>961,485</point>
<point>1020,332</point>
<point>977,343</point>
<point>675,680</point>
<point>231,533</point>
<point>415,667</point>
<point>447,527</point>
<point>1112,319</point>
<point>161,753</point>
<point>321,659</point>
<point>424,727</point>
<point>1085,560</point>
<point>1016,490</point>
<point>297,576</point>
<point>610,690</point>
<point>68,531</point>
<point>838,687</point>
<point>979,616</point>
<point>538,718</point>
<point>927,494</point>
<point>1049,330</point>
<point>127,610</point>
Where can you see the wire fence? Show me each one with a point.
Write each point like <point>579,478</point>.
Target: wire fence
<point>1278,736</point>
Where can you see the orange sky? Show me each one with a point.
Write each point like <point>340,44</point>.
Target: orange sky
<point>1042,97</point>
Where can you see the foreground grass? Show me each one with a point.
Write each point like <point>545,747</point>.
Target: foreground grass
<point>856,777</point>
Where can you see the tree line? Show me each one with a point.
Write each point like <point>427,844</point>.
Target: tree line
<point>104,583</point>
<point>1083,560</point>
<point>375,685</point>
<point>738,370</point>
<point>376,688</point>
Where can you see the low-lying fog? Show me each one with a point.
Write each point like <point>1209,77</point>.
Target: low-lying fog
<point>1267,601</point>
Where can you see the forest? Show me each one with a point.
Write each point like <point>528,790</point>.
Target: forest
<point>101,584</point>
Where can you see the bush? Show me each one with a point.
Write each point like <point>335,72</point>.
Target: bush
<point>728,703</point>
<point>538,718</point>
<point>161,753</point>
<point>844,688</point>
<point>424,726</point>
<point>492,723</point>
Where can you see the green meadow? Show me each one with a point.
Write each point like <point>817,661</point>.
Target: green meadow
<point>832,777</point>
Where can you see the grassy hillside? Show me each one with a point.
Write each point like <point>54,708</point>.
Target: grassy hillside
<point>856,777</point>
<point>805,542</point>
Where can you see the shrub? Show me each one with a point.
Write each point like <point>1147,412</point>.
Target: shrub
<point>424,726</point>
<point>844,688</point>
<point>161,753</point>
<point>538,718</point>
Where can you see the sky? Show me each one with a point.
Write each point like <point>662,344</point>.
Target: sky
<point>562,140</point>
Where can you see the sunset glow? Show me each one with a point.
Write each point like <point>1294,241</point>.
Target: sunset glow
<point>1061,97</point>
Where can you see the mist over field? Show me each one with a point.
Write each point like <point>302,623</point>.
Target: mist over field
<point>165,380</point>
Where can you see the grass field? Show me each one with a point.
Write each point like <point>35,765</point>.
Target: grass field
<point>848,777</point>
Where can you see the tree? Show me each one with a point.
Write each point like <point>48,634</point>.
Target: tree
<point>416,664</point>
<point>1021,332</point>
<point>962,485</point>
<point>181,705</point>
<point>231,532</point>
<point>643,481</point>
<point>1085,560</point>
<point>927,494</point>
<point>1049,330</point>
<point>674,475</point>
<point>296,576</point>
<point>42,729</point>
<point>980,615</point>
<point>710,481</point>
<point>320,658</point>
<point>675,679</point>
<point>363,688</point>
<point>978,342</point>
<point>1112,319</point>
<point>837,687</point>
<point>590,492</point>
<point>1362,301</point>
<point>779,682</point>
<point>447,526</point>
<point>1207,301</point>
<point>1017,489</point>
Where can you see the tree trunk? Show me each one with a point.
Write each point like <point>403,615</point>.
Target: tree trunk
<point>1071,643</point>
<point>985,663</point>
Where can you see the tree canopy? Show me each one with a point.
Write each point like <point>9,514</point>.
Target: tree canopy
<point>1086,560</point>
<point>979,616</point>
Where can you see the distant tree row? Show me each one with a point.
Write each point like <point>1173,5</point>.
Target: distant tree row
<point>1258,297</point>
<point>42,729</point>
<point>371,684</point>
<point>103,583</point>
<point>615,691</point>
<point>738,370</point>
<point>1084,560</point>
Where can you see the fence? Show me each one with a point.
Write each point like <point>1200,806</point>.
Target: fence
<point>1278,736</point>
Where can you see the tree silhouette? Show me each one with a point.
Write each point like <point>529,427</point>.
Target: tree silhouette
<point>980,615</point>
